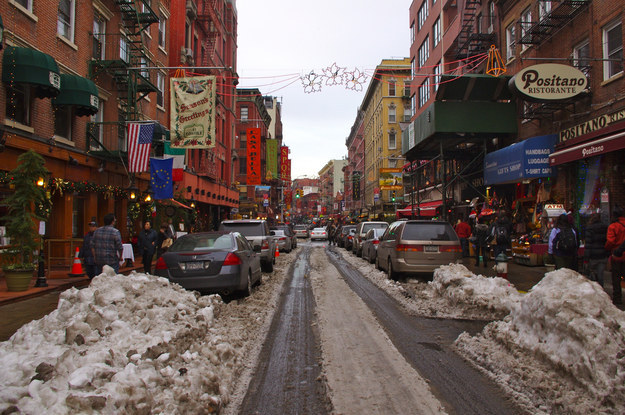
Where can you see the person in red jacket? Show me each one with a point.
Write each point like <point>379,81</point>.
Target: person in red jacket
<point>463,229</point>
<point>614,238</point>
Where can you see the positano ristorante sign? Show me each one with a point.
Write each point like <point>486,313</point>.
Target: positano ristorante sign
<point>548,82</point>
<point>591,126</point>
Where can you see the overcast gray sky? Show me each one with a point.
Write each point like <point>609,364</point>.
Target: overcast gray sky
<point>279,41</point>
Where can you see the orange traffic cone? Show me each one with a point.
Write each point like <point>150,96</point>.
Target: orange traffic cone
<point>76,266</point>
<point>277,252</point>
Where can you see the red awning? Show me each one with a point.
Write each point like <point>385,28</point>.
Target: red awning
<point>174,203</point>
<point>588,149</point>
<point>428,209</point>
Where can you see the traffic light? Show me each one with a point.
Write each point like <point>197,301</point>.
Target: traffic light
<point>297,193</point>
<point>393,196</point>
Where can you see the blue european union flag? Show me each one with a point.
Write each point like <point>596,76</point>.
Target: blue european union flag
<point>160,174</point>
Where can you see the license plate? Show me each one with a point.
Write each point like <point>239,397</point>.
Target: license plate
<point>193,266</point>
<point>430,248</point>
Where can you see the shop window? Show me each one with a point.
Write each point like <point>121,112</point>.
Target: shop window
<point>612,49</point>
<point>19,103</point>
<point>63,117</point>
<point>65,19</point>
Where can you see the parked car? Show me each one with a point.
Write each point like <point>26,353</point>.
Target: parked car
<point>370,243</point>
<point>212,262</point>
<point>285,244</point>
<point>343,234</point>
<point>289,233</point>
<point>318,233</point>
<point>257,232</point>
<point>417,246</point>
<point>301,231</point>
<point>348,240</point>
<point>361,229</point>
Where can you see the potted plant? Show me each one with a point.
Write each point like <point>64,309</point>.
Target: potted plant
<point>24,212</point>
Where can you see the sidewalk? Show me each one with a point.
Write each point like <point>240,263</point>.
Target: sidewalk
<point>57,280</point>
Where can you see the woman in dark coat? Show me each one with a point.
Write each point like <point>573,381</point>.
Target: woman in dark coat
<point>595,254</point>
<point>147,245</point>
<point>482,235</point>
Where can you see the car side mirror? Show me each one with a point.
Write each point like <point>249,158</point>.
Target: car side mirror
<point>272,233</point>
<point>257,248</point>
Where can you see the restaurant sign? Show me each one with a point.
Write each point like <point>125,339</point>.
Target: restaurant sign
<point>591,126</point>
<point>548,82</point>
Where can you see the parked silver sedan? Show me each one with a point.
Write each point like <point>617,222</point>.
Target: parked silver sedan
<point>301,231</point>
<point>212,262</point>
<point>370,244</point>
<point>285,244</point>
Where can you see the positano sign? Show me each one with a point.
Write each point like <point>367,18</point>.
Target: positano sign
<point>549,82</point>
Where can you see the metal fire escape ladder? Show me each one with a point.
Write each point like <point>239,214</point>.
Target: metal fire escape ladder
<point>207,20</point>
<point>471,41</point>
<point>561,13</point>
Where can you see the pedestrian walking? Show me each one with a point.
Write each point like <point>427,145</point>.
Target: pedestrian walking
<point>147,245</point>
<point>501,231</point>
<point>106,245</point>
<point>162,237</point>
<point>595,254</point>
<point>86,254</point>
<point>563,243</point>
<point>482,236</point>
<point>615,236</point>
<point>463,230</point>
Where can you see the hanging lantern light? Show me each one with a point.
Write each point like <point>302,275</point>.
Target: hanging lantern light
<point>494,64</point>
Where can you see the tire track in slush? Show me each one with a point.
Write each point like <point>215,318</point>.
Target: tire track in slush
<point>288,377</point>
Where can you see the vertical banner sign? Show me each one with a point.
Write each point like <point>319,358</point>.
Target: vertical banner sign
<point>192,119</point>
<point>288,170</point>
<point>272,159</point>
<point>253,156</point>
<point>284,156</point>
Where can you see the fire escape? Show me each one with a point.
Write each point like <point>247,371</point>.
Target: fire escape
<point>125,56</point>
<point>554,15</point>
<point>471,40</point>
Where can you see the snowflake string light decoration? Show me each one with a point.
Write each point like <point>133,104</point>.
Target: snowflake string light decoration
<point>312,82</point>
<point>355,79</point>
<point>334,75</point>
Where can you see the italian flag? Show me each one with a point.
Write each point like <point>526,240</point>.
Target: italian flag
<point>178,165</point>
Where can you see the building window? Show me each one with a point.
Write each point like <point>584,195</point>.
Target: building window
<point>424,51</point>
<point>422,14</point>
<point>19,103</point>
<point>491,16</point>
<point>27,4</point>
<point>124,53</point>
<point>437,75</point>
<point>99,37</point>
<point>413,68</point>
<point>413,105</point>
<point>412,33</point>
<point>63,121</point>
<point>391,88</point>
<point>244,113</point>
<point>526,24</point>
<point>544,8</point>
<point>581,57</point>
<point>392,141</point>
<point>479,22</point>
<point>242,165</point>
<point>392,114</point>
<point>65,19</point>
<point>97,129</point>
<point>612,50</point>
<point>424,92</point>
<point>510,41</point>
<point>436,35</point>
<point>162,31</point>
<point>160,84</point>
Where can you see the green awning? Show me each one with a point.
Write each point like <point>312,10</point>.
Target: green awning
<point>29,66</point>
<point>473,87</point>
<point>78,92</point>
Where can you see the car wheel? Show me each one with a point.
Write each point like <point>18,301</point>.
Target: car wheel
<point>371,259</point>
<point>377,264</point>
<point>268,266</point>
<point>247,291</point>
<point>391,273</point>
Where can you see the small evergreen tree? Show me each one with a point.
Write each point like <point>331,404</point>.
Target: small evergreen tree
<point>23,210</point>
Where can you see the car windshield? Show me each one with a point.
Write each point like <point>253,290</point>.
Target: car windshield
<point>279,232</point>
<point>319,230</point>
<point>429,232</point>
<point>346,229</point>
<point>300,227</point>
<point>201,242</point>
<point>245,229</point>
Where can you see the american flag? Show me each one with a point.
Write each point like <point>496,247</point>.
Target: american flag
<point>139,143</point>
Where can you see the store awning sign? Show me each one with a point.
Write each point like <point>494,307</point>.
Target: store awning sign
<point>528,159</point>
<point>593,148</point>
<point>548,82</point>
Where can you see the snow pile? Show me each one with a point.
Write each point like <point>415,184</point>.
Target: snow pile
<point>460,286</point>
<point>125,344</point>
<point>563,344</point>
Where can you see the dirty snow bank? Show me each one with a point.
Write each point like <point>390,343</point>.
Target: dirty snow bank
<point>561,349</point>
